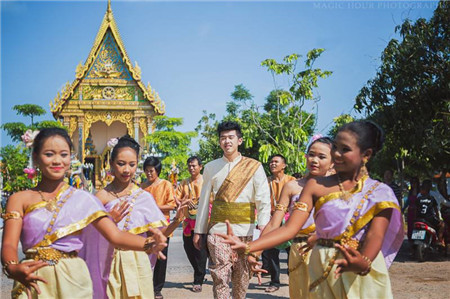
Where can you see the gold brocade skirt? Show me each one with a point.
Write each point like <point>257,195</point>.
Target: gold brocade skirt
<point>69,278</point>
<point>298,272</point>
<point>350,285</point>
<point>131,275</point>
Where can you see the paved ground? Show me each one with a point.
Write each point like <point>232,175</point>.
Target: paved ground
<point>410,280</point>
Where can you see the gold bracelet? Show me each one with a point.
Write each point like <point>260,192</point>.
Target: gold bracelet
<point>149,243</point>
<point>301,206</point>
<point>5,267</point>
<point>248,253</point>
<point>369,266</point>
<point>178,219</point>
<point>280,207</point>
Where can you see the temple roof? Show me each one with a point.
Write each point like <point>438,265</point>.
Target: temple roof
<point>107,41</point>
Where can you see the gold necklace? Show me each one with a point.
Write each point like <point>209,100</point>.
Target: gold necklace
<point>52,202</point>
<point>116,194</point>
<point>345,195</point>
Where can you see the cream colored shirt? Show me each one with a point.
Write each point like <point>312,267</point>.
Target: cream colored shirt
<point>256,191</point>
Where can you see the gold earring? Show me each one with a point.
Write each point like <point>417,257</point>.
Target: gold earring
<point>363,171</point>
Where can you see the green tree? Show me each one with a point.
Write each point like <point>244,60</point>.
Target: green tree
<point>409,96</point>
<point>171,144</point>
<point>16,129</point>
<point>14,159</point>
<point>339,122</point>
<point>281,126</point>
<point>30,110</point>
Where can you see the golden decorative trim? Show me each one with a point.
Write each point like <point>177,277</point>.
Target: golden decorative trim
<point>145,228</point>
<point>73,124</point>
<point>71,228</point>
<point>108,117</point>
<point>143,125</point>
<point>368,216</point>
<point>35,206</point>
<point>336,195</point>
<point>307,230</point>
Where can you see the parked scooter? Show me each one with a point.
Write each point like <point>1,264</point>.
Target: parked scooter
<point>425,240</point>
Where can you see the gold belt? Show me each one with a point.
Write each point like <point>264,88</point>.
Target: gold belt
<point>299,239</point>
<point>330,242</point>
<point>235,212</point>
<point>49,255</point>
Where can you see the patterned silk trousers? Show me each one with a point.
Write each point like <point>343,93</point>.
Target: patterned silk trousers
<point>226,265</point>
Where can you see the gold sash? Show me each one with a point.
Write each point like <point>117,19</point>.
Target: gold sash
<point>224,206</point>
<point>236,180</point>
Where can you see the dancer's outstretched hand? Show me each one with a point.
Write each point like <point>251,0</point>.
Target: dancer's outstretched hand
<point>25,274</point>
<point>230,238</point>
<point>158,244</point>
<point>255,267</point>
<point>352,261</point>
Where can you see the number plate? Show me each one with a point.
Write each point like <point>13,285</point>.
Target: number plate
<point>418,235</point>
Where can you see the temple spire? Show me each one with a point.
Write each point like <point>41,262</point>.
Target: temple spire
<point>109,6</point>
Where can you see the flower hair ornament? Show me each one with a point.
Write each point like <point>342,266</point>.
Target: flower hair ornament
<point>28,137</point>
<point>315,137</point>
<point>112,142</point>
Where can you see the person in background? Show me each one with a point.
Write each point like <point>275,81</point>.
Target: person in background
<point>388,179</point>
<point>411,204</point>
<point>277,180</point>
<point>163,193</point>
<point>189,191</point>
<point>428,209</point>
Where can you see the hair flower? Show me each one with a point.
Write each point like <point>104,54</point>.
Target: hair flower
<point>28,137</point>
<point>112,142</point>
<point>31,172</point>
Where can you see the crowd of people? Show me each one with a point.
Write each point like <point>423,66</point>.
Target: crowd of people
<point>341,228</point>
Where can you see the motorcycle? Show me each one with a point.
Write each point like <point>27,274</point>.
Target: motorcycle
<point>425,240</point>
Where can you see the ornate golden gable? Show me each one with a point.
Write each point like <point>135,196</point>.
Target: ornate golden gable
<point>93,84</point>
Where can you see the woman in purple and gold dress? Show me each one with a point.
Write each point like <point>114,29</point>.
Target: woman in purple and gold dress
<point>358,222</point>
<point>118,273</point>
<point>48,220</point>
<point>318,163</point>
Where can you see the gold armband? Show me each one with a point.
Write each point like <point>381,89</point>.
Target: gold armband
<point>11,215</point>
<point>280,207</point>
<point>301,206</point>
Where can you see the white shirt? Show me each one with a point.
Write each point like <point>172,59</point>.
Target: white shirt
<point>256,191</point>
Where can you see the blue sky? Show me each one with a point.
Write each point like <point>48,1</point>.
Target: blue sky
<point>194,53</point>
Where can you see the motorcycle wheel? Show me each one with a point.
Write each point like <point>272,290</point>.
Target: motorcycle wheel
<point>420,252</point>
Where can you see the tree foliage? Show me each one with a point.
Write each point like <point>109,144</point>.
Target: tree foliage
<point>410,96</point>
<point>339,122</point>
<point>172,145</point>
<point>30,110</point>
<point>16,129</point>
<point>280,126</point>
<point>14,158</point>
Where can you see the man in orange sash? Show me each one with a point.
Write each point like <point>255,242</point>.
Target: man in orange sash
<point>239,187</point>
<point>277,180</point>
<point>189,190</point>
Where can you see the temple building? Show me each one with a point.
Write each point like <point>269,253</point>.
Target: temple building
<point>107,99</point>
